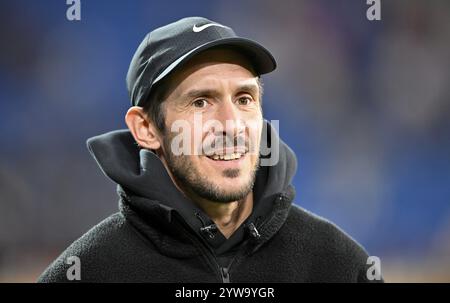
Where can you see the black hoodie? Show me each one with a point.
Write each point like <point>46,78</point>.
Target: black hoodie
<point>161,236</point>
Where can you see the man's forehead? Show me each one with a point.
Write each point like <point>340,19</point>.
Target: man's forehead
<point>193,74</point>
<point>214,88</point>
<point>213,85</point>
<point>211,67</point>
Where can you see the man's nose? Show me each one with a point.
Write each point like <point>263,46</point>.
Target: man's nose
<point>230,117</point>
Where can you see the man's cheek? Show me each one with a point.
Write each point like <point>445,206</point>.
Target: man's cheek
<point>185,138</point>
<point>254,133</point>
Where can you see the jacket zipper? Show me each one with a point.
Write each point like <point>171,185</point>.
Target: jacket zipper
<point>225,274</point>
<point>223,271</point>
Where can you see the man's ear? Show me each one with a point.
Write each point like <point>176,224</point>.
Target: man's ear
<point>143,131</point>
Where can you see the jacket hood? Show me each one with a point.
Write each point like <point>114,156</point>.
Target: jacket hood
<point>151,200</point>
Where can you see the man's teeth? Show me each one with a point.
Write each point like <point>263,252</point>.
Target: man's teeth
<point>226,157</point>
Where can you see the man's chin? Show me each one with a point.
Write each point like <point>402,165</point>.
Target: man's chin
<point>228,196</point>
<point>232,186</point>
<point>231,173</point>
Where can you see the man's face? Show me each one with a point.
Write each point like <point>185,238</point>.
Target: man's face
<point>214,108</point>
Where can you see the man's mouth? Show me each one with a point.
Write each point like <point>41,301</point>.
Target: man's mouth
<point>226,157</point>
<point>227,154</point>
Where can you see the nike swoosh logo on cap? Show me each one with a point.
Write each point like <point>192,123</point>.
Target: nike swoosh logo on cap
<point>198,29</point>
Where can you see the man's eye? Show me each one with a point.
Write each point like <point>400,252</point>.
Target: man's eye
<point>244,101</point>
<point>200,103</point>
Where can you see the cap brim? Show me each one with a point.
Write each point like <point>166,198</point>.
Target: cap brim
<point>262,60</point>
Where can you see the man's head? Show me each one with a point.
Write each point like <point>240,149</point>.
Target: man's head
<point>204,120</point>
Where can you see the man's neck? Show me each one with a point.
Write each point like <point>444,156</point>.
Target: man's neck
<point>228,216</point>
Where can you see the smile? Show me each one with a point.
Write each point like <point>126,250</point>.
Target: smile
<point>226,157</point>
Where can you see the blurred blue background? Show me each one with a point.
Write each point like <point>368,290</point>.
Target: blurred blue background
<point>365,106</point>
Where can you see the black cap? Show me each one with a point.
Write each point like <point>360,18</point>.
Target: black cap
<point>167,47</point>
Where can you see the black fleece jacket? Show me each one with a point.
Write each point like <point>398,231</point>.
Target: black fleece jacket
<point>160,236</point>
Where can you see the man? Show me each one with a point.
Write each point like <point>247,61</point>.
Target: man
<point>199,201</point>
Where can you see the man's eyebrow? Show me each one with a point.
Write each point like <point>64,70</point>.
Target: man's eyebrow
<point>251,88</point>
<point>195,93</point>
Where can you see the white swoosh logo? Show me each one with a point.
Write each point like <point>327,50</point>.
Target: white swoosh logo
<point>198,29</point>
